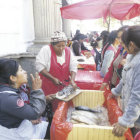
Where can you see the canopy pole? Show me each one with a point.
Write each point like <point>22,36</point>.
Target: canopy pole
<point>108,28</point>
<point>109,20</point>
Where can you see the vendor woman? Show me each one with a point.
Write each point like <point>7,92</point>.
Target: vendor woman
<point>57,66</point>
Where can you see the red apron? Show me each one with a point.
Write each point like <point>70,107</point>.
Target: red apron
<point>61,72</point>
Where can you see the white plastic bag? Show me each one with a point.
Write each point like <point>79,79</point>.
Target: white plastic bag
<point>26,131</point>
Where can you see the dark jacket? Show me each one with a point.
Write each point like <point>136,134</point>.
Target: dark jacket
<point>76,46</point>
<point>13,110</point>
<point>98,59</point>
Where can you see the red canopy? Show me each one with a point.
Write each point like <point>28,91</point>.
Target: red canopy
<point>93,9</point>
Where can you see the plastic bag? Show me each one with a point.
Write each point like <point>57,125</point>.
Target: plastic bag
<point>114,112</point>
<point>60,128</point>
<point>137,137</point>
<point>26,131</point>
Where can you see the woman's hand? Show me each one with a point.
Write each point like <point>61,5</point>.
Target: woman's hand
<point>112,96</point>
<point>36,81</point>
<point>73,84</point>
<point>119,130</point>
<point>50,97</point>
<point>56,81</point>
<point>36,121</point>
<point>123,62</point>
<point>103,86</point>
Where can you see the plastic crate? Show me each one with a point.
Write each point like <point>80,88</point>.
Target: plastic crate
<point>63,130</point>
<point>91,132</point>
<point>88,80</point>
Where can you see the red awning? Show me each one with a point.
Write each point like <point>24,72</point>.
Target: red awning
<point>93,9</point>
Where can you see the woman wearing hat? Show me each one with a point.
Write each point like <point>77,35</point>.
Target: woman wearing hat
<point>57,66</point>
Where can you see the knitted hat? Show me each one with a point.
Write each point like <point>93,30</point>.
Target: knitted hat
<point>58,36</point>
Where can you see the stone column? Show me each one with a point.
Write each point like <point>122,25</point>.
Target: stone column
<point>47,19</point>
<point>57,15</point>
<point>66,22</point>
<point>67,27</point>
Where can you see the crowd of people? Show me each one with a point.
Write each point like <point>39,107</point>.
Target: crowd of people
<point>117,57</point>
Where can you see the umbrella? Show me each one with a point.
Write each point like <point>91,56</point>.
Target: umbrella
<point>93,9</point>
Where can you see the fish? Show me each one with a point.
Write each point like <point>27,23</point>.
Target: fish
<point>87,114</point>
<point>89,118</point>
<point>85,108</point>
<point>75,122</point>
<point>66,91</point>
<point>83,119</point>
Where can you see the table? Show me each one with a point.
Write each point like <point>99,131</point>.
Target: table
<point>86,64</point>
